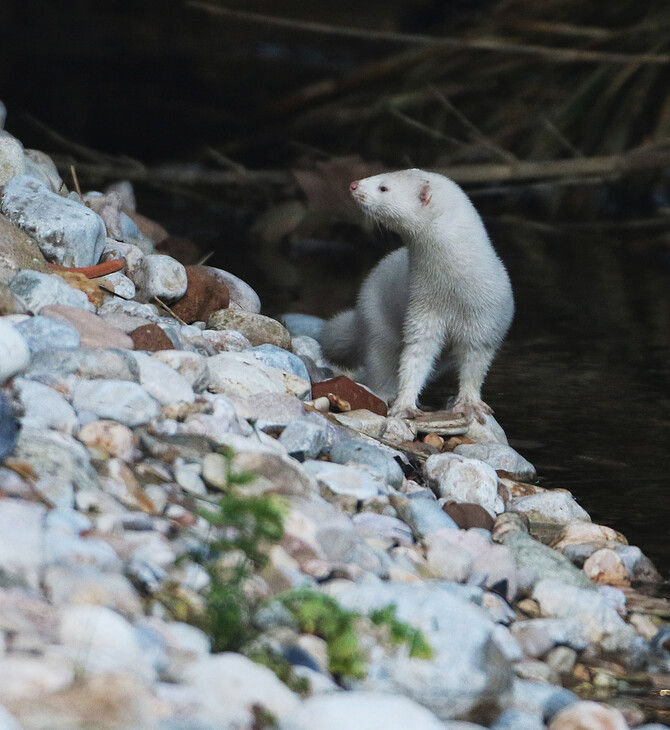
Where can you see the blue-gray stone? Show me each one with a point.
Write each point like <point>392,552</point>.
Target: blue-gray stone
<point>535,562</point>
<point>44,333</point>
<point>118,400</point>
<point>303,324</point>
<point>306,437</point>
<point>9,428</point>
<point>423,516</point>
<point>518,720</point>
<point>36,290</point>
<point>373,458</point>
<point>277,357</point>
<point>91,363</point>
<point>67,232</point>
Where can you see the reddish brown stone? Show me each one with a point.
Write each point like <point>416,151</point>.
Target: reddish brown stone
<point>355,395</point>
<point>150,337</point>
<point>467,515</point>
<point>205,295</point>
<point>182,249</point>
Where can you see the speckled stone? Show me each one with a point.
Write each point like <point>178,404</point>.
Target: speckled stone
<point>68,233</point>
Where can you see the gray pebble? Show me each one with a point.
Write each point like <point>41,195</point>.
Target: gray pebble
<point>36,290</point>
<point>376,460</point>
<point>44,333</point>
<point>69,233</point>
<point>119,400</point>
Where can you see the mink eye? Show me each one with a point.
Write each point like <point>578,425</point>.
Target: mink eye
<point>383,189</point>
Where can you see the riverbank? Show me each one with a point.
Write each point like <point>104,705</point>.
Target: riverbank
<point>172,487</point>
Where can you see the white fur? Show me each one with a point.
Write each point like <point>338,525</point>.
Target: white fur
<point>444,300</point>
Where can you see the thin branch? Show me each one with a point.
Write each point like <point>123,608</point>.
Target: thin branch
<point>476,133</point>
<point>494,45</point>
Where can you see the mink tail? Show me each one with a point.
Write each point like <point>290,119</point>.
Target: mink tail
<point>340,340</point>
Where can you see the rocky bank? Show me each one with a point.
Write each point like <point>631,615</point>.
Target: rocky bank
<point>397,575</point>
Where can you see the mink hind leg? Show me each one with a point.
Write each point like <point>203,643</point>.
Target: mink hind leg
<point>472,362</point>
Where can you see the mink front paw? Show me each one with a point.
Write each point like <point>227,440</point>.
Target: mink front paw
<point>472,410</point>
<point>398,410</point>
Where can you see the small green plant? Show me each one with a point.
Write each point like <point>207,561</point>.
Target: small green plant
<point>281,667</point>
<point>243,529</point>
<point>401,632</point>
<point>321,615</point>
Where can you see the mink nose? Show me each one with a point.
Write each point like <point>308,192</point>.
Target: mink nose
<point>353,186</point>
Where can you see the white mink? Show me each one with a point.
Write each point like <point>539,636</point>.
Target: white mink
<point>442,301</point>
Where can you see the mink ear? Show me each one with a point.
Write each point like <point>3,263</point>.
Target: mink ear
<point>425,195</point>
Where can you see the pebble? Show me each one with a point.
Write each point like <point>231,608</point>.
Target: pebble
<point>117,283</point>
<point>83,362</point>
<point>204,295</point>
<point>14,351</point>
<point>460,635</point>
<point>111,438</point>
<point>162,382</point>
<point>306,437</point>
<point>467,515</point>
<point>18,252</point>
<point>344,480</point>
<point>93,331</point>
<point>280,358</point>
<point>231,686</point>
<point>379,462</point>
<point>242,296</point>
<point>12,159</point>
<point>597,617</point>
<point>535,562</point>
<point>50,453</point>
<point>423,516</point>
<point>67,232</point>
<point>539,636</point>
<point>241,374</point>
<point>45,333</point>
<point>303,325</point>
<point>500,457</point>
<point>151,338</point>
<point>361,711</point>
<point>157,275</point>
<point>363,421</point>
<point>589,716</point>
<point>551,506</point>
<point>21,533</point>
<point>461,479</point>
<point>192,366</point>
<point>44,408</point>
<point>101,640</point>
<point>39,165</point>
<point>271,411</point>
<point>118,400</point>
<point>257,328</point>
<point>36,290</point>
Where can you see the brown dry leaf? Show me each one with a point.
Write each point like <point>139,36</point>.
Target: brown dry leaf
<point>327,186</point>
<point>83,283</point>
<point>339,403</point>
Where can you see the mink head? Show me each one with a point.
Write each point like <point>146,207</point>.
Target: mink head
<point>406,201</point>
